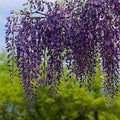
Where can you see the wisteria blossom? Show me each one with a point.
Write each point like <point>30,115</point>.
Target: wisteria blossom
<point>45,35</point>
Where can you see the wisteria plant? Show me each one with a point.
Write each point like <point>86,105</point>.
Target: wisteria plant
<point>45,36</point>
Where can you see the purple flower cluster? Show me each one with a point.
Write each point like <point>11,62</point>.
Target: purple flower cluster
<point>40,40</point>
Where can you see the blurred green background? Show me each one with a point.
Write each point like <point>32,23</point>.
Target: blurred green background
<point>71,102</point>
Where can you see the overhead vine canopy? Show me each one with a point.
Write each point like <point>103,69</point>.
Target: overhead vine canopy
<point>44,36</point>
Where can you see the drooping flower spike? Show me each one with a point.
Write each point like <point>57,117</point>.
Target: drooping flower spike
<point>47,36</point>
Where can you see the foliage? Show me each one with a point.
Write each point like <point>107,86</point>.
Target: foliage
<point>71,102</point>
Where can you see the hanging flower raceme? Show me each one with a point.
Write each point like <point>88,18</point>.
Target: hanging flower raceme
<point>40,40</point>
<point>109,48</point>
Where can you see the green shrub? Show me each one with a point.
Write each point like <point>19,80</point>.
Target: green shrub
<point>70,102</point>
